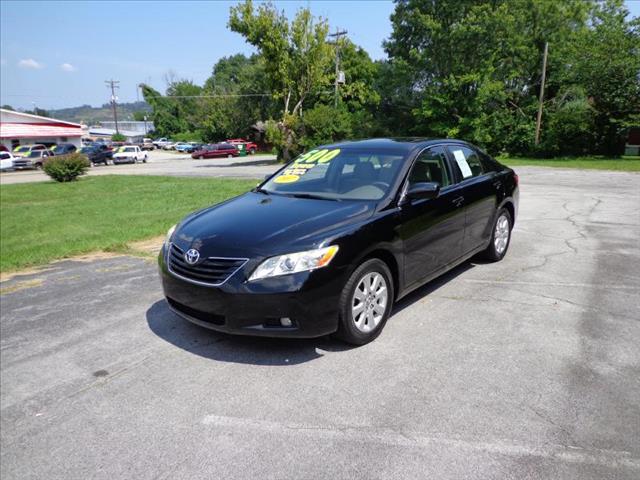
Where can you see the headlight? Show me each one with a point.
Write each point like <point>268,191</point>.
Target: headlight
<point>169,234</point>
<point>294,262</point>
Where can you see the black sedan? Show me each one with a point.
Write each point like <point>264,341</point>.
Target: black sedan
<point>330,241</point>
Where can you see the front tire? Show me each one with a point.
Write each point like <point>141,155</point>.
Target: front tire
<point>501,237</point>
<point>365,303</point>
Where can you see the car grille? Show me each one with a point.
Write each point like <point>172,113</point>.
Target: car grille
<point>212,271</point>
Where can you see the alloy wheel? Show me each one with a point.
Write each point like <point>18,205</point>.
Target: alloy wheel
<point>501,234</point>
<point>369,302</point>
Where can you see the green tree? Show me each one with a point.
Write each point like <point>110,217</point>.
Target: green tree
<point>296,59</point>
<point>473,66</point>
<point>604,62</point>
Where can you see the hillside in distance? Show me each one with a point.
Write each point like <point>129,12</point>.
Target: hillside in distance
<point>91,115</point>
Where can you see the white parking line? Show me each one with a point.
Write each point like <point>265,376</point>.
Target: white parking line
<point>386,436</point>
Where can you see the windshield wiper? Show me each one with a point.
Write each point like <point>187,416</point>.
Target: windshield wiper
<point>312,196</point>
<point>261,190</point>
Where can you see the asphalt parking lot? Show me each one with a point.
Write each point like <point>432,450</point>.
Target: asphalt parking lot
<point>524,369</point>
<point>168,163</point>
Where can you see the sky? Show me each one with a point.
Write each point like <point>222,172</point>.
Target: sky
<point>66,50</point>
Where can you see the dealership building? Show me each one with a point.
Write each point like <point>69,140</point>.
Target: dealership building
<point>17,128</point>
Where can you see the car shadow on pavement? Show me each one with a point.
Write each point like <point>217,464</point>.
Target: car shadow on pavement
<point>430,287</point>
<point>236,348</point>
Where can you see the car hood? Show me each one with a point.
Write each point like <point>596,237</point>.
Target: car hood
<point>255,224</point>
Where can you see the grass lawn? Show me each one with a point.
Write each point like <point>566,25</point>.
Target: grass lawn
<point>626,164</point>
<point>40,222</point>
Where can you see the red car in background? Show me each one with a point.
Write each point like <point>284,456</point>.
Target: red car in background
<point>249,146</point>
<point>216,150</point>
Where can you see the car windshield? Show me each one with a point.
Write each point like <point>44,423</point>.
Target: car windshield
<point>335,174</point>
<point>127,149</point>
<point>22,149</point>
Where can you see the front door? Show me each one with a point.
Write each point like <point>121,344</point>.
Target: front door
<point>432,230</point>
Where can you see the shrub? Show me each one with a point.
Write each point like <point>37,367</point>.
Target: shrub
<point>118,137</point>
<point>66,168</point>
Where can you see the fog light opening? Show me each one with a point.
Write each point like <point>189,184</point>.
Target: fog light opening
<point>286,322</point>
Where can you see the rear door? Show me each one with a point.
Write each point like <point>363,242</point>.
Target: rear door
<point>480,191</point>
<point>212,152</point>
<point>433,229</point>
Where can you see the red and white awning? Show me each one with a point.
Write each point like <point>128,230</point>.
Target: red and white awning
<point>35,130</point>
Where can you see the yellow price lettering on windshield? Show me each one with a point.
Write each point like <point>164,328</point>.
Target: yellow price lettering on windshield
<point>304,156</point>
<point>287,179</point>
<point>305,163</point>
<point>330,155</point>
<point>318,156</point>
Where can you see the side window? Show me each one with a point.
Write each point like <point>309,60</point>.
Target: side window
<point>431,166</point>
<point>467,161</point>
<point>488,163</point>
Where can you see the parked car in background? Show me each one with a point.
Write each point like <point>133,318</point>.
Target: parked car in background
<point>129,154</point>
<point>63,148</point>
<point>162,142</point>
<point>3,148</point>
<point>6,161</point>
<point>250,147</point>
<point>193,146</point>
<point>169,146</point>
<point>97,153</point>
<point>216,150</point>
<point>182,147</point>
<point>33,159</point>
<point>147,145</point>
<point>23,150</point>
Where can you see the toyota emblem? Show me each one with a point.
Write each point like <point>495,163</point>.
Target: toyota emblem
<point>192,256</point>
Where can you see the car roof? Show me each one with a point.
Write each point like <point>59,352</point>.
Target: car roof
<point>396,144</point>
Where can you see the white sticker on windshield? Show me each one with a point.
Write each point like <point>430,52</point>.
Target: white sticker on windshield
<point>462,163</point>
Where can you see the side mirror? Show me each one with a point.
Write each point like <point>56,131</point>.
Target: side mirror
<point>423,190</point>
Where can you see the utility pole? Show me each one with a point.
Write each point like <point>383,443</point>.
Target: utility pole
<point>113,84</point>
<point>339,79</point>
<point>544,77</point>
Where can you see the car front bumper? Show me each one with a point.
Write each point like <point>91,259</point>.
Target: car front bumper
<point>308,299</point>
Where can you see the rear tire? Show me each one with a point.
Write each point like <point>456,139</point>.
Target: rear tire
<point>500,237</point>
<point>365,303</point>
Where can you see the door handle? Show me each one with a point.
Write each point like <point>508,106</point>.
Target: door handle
<point>458,201</point>
<point>497,184</point>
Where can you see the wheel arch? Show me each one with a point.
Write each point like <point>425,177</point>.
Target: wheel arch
<point>509,206</point>
<point>390,260</point>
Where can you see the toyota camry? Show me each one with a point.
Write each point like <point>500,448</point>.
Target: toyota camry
<point>330,241</point>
